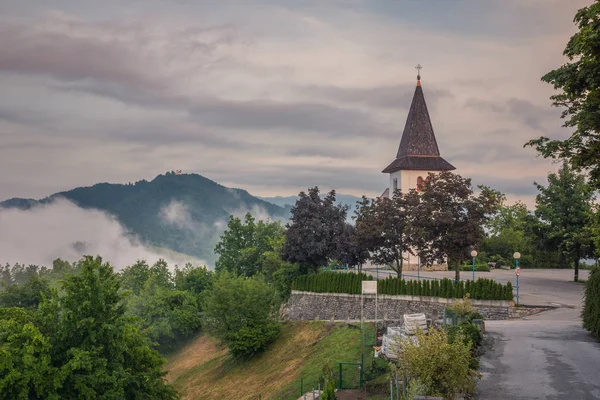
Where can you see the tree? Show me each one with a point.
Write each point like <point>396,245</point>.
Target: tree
<point>579,83</point>
<point>97,350</point>
<point>383,227</point>
<point>26,371</point>
<point>27,295</point>
<point>349,250</point>
<point>243,245</point>
<point>315,224</point>
<point>195,280</point>
<point>167,316</point>
<point>564,208</point>
<point>241,312</point>
<point>448,218</point>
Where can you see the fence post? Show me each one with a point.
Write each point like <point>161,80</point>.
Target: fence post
<point>391,390</point>
<point>340,383</point>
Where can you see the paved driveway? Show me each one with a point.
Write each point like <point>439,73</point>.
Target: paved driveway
<point>546,356</point>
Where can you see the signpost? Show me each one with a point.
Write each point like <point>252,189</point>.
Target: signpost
<point>368,287</point>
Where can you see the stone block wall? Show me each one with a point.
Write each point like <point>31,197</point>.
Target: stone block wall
<point>342,307</point>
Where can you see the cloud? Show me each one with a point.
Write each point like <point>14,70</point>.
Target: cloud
<point>391,96</point>
<point>63,230</point>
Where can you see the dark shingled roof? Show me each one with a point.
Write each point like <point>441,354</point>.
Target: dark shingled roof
<point>418,148</point>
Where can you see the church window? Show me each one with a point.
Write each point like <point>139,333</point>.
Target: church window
<point>395,183</point>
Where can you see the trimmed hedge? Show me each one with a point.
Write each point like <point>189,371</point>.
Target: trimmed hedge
<point>331,282</point>
<point>591,305</point>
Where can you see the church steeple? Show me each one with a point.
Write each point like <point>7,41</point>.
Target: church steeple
<point>418,148</point>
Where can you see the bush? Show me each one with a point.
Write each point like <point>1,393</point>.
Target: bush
<point>331,282</point>
<point>591,306</point>
<point>467,332</point>
<point>463,308</point>
<point>479,267</point>
<point>443,368</point>
<point>250,340</point>
<point>241,312</point>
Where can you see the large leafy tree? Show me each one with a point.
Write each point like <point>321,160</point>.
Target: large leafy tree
<point>579,83</point>
<point>241,312</point>
<point>316,223</point>
<point>564,208</point>
<point>448,218</point>
<point>349,250</point>
<point>384,228</point>
<point>243,245</point>
<point>80,344</point>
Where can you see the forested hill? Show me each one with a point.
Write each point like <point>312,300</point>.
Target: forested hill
<point>185,213</point>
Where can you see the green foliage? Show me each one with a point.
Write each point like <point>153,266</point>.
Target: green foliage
<point>443,368</point>
<point>564,209</point>
<point>384,228</point>
<point>328,381</point>
<point>243,247</point>
<point>448,219</point>
<point>591,307</point>
<point>331,282</point>
<point>316,224</point>
<point>27,295</point>
<point>80,344</point>
<point>467,332</point>
<point>25,370</point>
<point>479,267</point>
<point>241,313</point>
<point>334,282</point>
<point>195,280</point>
<point>167,315</point>
<point>579,94</point>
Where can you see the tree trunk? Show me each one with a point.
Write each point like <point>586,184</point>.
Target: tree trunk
<point>399,264</point>
<point>457,270</point>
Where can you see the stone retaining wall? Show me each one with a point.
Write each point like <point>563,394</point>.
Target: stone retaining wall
<point>342,307</point>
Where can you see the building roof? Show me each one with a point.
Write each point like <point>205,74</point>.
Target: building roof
<point>418,148</point>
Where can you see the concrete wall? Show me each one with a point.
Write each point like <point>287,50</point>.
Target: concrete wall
<point>342,307</point>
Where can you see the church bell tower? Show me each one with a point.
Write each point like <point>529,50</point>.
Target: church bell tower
<point>418,153</point>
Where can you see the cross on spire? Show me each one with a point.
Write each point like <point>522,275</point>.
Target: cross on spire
<point>419,67</point>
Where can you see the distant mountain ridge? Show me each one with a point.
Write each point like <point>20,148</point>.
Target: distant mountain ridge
<point>185,213</point>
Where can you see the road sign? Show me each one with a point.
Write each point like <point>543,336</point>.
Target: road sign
<point>369,287</point>
<point>518,271</point>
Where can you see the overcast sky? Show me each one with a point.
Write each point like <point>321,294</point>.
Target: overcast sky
<point>272,96</point>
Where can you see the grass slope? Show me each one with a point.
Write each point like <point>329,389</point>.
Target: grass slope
<point>204,369</point>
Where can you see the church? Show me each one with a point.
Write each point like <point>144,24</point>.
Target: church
<point>418,155</point>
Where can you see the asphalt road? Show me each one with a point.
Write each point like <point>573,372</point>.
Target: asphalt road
<point>546,356</point>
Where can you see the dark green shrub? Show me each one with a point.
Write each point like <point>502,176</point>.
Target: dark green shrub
<point>591,305</point>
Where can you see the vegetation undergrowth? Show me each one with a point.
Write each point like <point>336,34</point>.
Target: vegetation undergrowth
<point>204,369</point>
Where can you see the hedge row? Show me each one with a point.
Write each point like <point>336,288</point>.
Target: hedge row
<point>331,282</point>
<point>481,289</point>
<point>591,305</point>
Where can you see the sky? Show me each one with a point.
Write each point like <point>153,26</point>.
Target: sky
<point>273,96</point>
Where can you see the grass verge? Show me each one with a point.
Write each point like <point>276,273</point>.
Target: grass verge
<point>204,369</point>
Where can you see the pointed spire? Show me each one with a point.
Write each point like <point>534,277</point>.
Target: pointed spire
<point>418,148</point>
